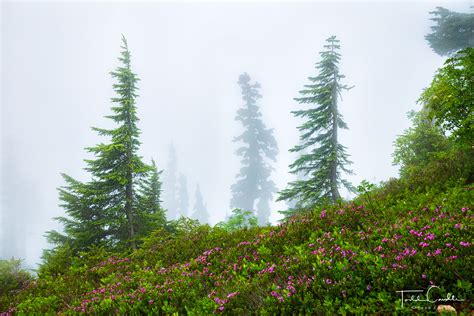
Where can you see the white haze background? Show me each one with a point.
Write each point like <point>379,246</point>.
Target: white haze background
<point>55,85</point>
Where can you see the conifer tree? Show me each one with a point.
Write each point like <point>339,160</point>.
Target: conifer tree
<point>258,149</point>
<point>170,184</point>
<point>199,210</point>
<point>104,210</point>
<point>325,157</point>
<point>183,196</point>
<point>151,215</point>
<point>452,32</point>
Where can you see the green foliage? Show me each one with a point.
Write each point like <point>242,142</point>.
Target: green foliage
<point>365,193</point>
<point>430,161</point>
<point>449,98</point>
<point>238,220</point>
<point>346,259</point>
<point>183,225</point>
<point>365,187</point>
<point>109,210</point>
<point>57,260</point>
<point>420,145</point>
<point>325,157</point>
<point>12,279</point>
<point>434,169</point>
<point>396,194</point>
<point>452,32</point>
<point>259,148</point>
<point>150,215</point>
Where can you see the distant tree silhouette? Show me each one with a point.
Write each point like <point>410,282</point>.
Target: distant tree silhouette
<point>200,211</point>
<point>453,31</point>
<point>258,148</point>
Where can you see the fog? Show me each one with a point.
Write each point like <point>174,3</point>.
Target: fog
<point>55,85</point>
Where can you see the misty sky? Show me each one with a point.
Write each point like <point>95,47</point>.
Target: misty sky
<point>55,85</point>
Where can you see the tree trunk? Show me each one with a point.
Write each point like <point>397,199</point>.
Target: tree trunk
<point>129,187</point>
<point>334,191</point>
<point>129,211</point>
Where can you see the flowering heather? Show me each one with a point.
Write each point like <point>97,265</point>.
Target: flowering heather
<point>304,266</point>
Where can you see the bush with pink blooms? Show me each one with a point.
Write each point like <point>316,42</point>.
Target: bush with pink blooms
<point>336,260</point>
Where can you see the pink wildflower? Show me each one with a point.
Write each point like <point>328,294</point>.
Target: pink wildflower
<point>278,296</point>
<point>271,269</point>
<point>430,236</point>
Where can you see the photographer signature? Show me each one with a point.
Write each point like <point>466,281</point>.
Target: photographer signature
<point>426,296</point>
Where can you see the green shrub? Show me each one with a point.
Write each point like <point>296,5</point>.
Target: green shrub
<point>347,259</point>
<point>12,279</point>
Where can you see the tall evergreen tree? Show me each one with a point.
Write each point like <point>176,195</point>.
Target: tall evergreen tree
<point>453,31</point>
<point>258,149</point>
<point>199,210</point>
<point>104,210</point>
<point>325,157</point>
<point>151,215</point>
<point>183,196</point>
<point>170,184</point>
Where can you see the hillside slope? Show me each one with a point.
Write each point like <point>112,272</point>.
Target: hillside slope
<point>346,259</point>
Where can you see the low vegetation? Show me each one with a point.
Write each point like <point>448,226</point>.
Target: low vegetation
<point>343,259</point>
